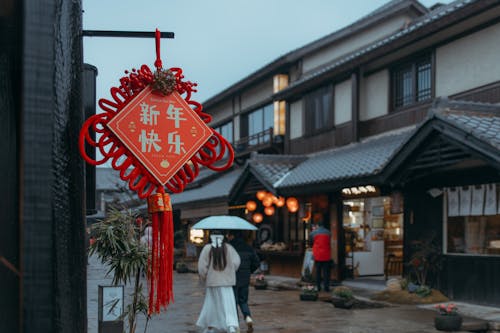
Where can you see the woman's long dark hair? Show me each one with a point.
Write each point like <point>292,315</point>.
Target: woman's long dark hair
<point>218,257</point>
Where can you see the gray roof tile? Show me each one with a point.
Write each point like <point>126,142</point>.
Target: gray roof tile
<point>107,179</point>
<point>418,23</point>
<point>356,160</point>
<point>273,168</point>
<point>484,125</point>
<point>217,188</point>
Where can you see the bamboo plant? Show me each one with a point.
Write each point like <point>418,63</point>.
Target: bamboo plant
<point>117,244</point>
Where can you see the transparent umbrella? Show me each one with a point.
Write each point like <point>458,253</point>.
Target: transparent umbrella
<point>224,222</point>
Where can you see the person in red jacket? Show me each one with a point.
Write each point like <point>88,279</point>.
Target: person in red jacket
<point>320,238</point>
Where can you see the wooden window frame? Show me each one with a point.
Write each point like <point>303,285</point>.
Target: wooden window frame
<point>307,117</point>
<point>412,63</point>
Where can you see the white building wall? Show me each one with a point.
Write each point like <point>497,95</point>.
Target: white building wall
<point>374,95</point>
<point>343,102</point>
<point>350,44</point>
<point>221,111</point>
<point>469,62</point>
<point>256,94</point>
<point>296,110</point>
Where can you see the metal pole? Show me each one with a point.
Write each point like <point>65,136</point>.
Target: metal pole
<point>127,34</point>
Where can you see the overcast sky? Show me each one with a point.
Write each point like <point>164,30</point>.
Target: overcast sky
<point>217,42</point>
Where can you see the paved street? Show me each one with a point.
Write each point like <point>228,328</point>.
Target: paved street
<point>273,311</point>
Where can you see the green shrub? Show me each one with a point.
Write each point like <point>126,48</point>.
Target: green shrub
<point>423,291</point>
<point>343,292</point>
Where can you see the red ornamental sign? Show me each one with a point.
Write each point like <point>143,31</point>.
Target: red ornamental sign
<point>162,132</point>
<point>156,137</point>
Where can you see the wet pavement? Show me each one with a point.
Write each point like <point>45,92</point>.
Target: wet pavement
<point>273,311</point>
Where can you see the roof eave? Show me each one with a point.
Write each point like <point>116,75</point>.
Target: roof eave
<point>351,61</point>
<point>291,57</point>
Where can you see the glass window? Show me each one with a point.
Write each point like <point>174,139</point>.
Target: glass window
<point>259,121</point>
<point>319,110</point>
<point>412,82</point>
<point>473,220</point>
<point>474,234</point>
<point>226,131</point>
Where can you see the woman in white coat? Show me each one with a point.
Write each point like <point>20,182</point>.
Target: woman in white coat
<point>217,266</point>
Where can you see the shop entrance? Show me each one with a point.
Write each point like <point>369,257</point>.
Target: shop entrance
<point>373,230</point>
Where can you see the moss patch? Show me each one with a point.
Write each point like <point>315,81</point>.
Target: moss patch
<point>404,297</point>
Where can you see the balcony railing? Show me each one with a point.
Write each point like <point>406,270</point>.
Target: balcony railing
<point>261,141</point>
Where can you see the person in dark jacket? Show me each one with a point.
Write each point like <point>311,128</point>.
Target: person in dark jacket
<point>320,238</point>
<point>249,263</point>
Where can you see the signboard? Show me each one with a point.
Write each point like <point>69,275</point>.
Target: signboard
<point>308,262</point>
<point>162,132</point>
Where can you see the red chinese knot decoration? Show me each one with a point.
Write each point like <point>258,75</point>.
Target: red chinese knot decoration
<point>157,138</point>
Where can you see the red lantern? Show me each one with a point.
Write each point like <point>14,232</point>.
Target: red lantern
<point>268,200</point>
<point>261,194</point>
<point>251,205</point>
<point>269,210</point>
<point>292,204</point>
<point>280,202</point>
<point>257,217</point>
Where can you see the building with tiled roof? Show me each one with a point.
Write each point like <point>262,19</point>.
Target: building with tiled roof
<point>388,128</point>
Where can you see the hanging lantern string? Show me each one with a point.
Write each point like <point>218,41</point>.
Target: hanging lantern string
<point>158,63</point>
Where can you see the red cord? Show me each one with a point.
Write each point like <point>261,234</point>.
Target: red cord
<point>158,63</point>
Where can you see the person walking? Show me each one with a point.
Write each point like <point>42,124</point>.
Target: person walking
<point>320,238</point>
<point>217,266</point>
<point>249,263</point>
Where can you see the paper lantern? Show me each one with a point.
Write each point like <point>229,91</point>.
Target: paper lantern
<point>268,200</point>
<point>257,217</point>
<point>261,194</point>
<point>280,202</point>
<point>292,204</point>
<point>251,205</point>
<point>269,210</point>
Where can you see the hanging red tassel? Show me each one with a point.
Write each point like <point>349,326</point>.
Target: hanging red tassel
<point>162,253</point>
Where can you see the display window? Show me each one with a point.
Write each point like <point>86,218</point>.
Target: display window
<point>373,230</point>
<point>472,220</point>
<point>371,219</point>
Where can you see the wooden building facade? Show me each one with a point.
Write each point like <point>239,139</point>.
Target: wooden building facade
<point>356,126</point>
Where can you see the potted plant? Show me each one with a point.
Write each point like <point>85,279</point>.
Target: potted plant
<point>342,297</point>
<point>260,282</point>
<point>308,293</point>
<point>117,244</point>
<point>448,318</point>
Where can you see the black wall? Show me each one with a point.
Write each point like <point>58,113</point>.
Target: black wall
<point>423,220</point>
<point>474,279</point>
<point>464,278</point>
<point>43,196</point>
<point>10,102</point>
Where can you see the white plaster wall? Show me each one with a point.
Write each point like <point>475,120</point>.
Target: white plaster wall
<point>256,94</point>
<point>469,62</point>
<point>374,95</point>
<point>221,111</point>
<point>343,102</point>
<point>350,44</point>
<point>296,110</point>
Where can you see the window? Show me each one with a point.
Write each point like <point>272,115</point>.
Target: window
<point>473,220</point>
<point>412,82</point>
<point>226,131</point>
<point>258,121</point>
<point>319,110</point>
